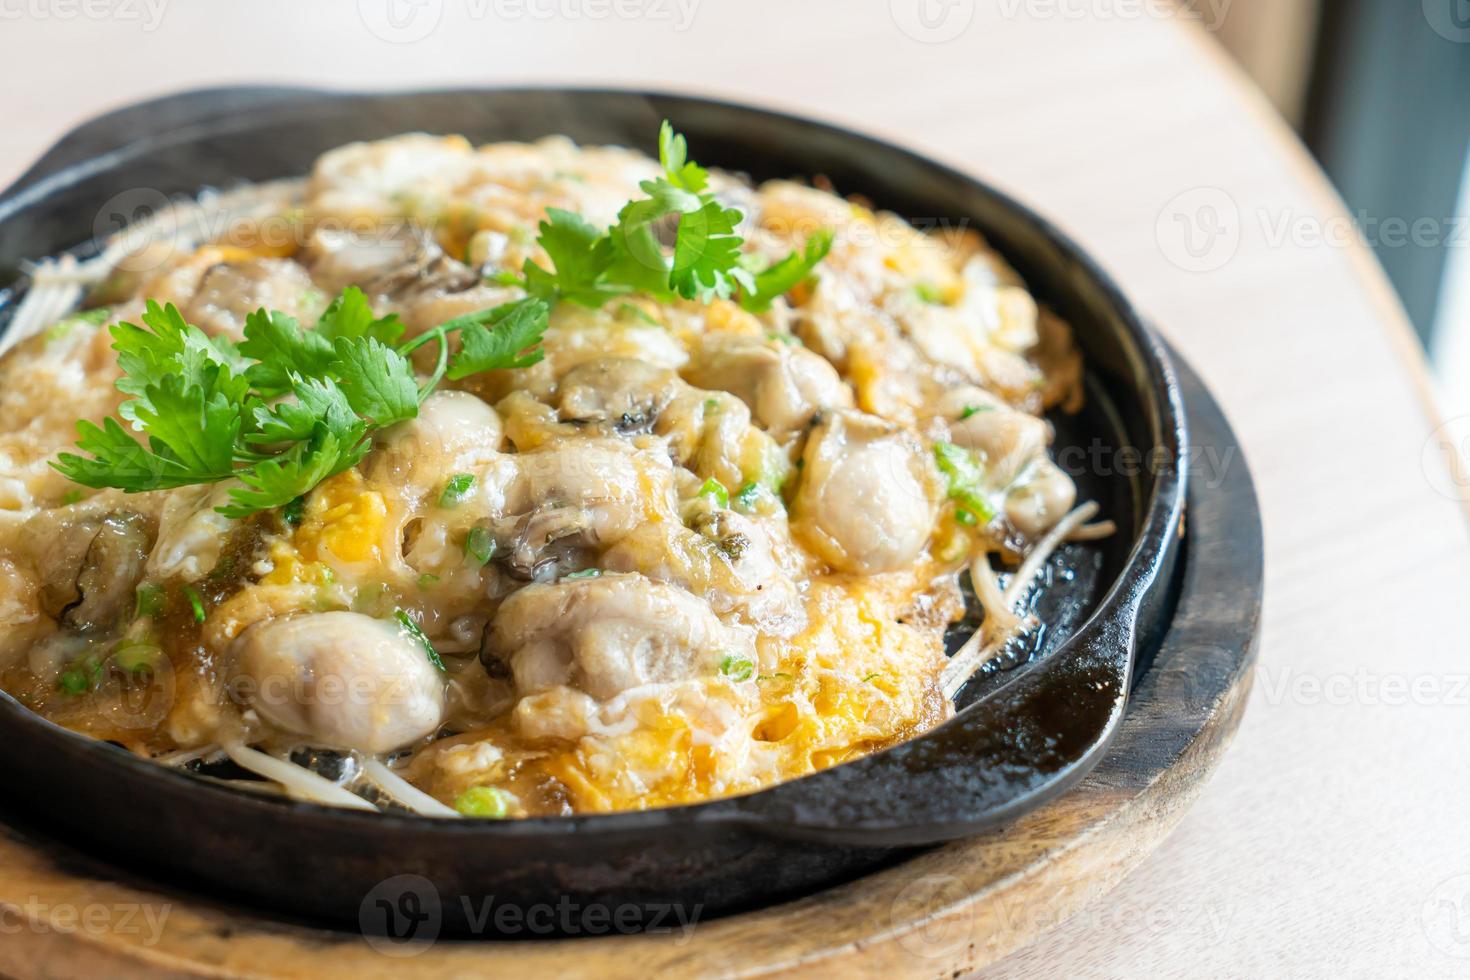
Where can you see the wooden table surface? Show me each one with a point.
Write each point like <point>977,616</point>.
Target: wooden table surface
<point>1333,840</point>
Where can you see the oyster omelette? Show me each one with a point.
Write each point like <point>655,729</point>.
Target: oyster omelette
<point>526,479</point>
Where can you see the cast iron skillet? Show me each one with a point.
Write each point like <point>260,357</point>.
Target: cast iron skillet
<point>1024,734</point>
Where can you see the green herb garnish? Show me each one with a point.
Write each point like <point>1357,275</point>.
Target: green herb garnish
<point>971,410</point>
<point>288,407</point>
<point>479,544</point>
<point>584,573</point>
<point>137,655</point>
<point>591,266</point>
<point>637,313</point>
<point>929,293</point>
<point>748,496</point>
<point>489,802</point>
<point>416,632</point>
<point>81,676</point>
<point>151,600</point>
<point>456,489</point>
<point>737,666</point>
<point>966,481</point>
<point>294,511</point>
<point>196,603</point>
<point>716,491</point>
<point>786,275</point>
<point>285,408</point>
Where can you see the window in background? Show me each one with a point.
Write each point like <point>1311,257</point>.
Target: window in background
<point>1451,346</point>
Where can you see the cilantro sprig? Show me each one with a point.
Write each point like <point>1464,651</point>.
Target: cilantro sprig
<point>286,407</point>
<point>706,260</point>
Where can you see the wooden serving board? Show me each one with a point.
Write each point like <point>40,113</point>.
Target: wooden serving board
<point>948,911</point>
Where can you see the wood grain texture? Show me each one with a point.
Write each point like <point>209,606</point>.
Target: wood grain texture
<point>1317,849</point>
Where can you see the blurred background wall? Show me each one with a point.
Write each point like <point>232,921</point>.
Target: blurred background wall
<point>1380,91</point>
<point>1275,41</point>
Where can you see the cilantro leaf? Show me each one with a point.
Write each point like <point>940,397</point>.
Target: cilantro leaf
<point>572,244</point>
<point>168,347</point>
<point>512,343</point>
<point>199,427</point>
<point>121,462</point>
<point>317,400</point>
<point>707,252</point>
<point>376,379</point>
<point>288,407</point>
<point>277,482</point>
<point>787,274</point>
<point>349,315</point>
<point>637,257</point>
<point>673,155</point>
<point>281,348</point>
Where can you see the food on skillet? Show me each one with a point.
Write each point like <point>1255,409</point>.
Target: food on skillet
<point>525,480</point>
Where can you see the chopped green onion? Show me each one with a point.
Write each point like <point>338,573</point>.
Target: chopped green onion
<point>737,667</point>
<point>412,629</point>
<point>426,580</point>
<point>715,489</point>
<point>975,410</point>
<point>196,602</point>
<point>80,676</point>
<point>61,328</point>
<point>458,487</point>
<point>479,544</point>
<point>748,496</point>
<point>929,293</point>
<point>870,677</point>
<point>638,313</point>
<point>74,682</point>
<point>584,573</point>
<point>293,511</point>
<point>965,517</point>
<point>489,802</point>
<point>137,655</point>
<point>151,600</point>
<point>966,479</point>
